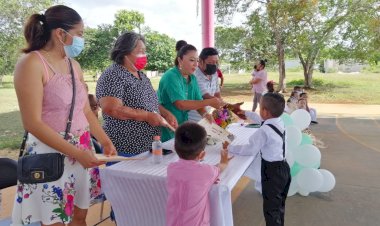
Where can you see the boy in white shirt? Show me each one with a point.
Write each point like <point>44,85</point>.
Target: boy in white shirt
<point>270,141</point>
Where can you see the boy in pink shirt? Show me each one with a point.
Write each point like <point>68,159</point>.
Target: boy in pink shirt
<point>189,181</point>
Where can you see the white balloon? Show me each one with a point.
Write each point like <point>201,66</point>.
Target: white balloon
<point>307,155</point>
<point>301,118</point>
<point>293,136</point>
<point>303,192</point>
<point>309,180</point>
<point>290,158</point>
<point>293,187</point>
<point>328,181</point>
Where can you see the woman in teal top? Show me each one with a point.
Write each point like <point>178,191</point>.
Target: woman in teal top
<point>178,90</point>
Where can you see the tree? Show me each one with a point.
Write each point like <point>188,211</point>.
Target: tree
<point>318,25</point>
<point>274,17</point>
<point>128,20</point>
<point>360,39</point>
<point>160,50</point>
<point>278,13</point>
<point>99,42</point>
<point>307,27</point>
<point>259,42</point>
<point>229,42</point>
<point>13,15</point>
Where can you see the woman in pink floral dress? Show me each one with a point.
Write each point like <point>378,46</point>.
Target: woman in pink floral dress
<point>44,90</point>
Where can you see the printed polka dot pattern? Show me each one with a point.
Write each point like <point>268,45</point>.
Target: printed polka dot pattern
<point>128,136</point>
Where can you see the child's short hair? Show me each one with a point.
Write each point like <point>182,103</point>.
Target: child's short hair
<point>190,140</point>
<point>303,94</point>
<point>274,103</point>
<point>297,88</point>
<point>270,86</point>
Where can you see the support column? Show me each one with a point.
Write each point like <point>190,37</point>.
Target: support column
<point>207,23</point>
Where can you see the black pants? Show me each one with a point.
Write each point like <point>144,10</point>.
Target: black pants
<point>275,179</point>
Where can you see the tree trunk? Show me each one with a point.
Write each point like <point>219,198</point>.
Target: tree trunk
<point>308,69</point>
<point>281,62</point>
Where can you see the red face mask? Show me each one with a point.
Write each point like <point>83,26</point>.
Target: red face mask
<point>141,62</point>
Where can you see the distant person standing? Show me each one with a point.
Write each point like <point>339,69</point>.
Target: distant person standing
<point>258,82</point>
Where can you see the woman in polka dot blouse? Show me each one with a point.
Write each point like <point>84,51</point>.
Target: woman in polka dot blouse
<point>131,112</point>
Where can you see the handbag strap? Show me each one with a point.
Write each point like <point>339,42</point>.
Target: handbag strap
<point>69,120</point>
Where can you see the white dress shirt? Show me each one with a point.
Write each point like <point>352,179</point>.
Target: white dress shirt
<point>207,84</point>
<point>264,140</point>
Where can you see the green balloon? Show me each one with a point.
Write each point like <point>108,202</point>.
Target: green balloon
<point>286,119</point>
<point>296,168</point>
<point>306,139</point>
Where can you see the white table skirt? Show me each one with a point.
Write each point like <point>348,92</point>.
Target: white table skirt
<point>137,189</point>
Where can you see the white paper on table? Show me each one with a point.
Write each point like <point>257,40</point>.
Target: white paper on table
<point>216,131</point>
<point>168,145</point>
<point>114,158</point>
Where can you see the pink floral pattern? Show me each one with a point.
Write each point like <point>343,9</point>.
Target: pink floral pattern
<point>85,141</point>
<point>24,191</point>
<point>95,189</point>
<point>54,201</point>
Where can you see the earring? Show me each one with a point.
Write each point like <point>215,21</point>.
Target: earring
<point>180,67</point>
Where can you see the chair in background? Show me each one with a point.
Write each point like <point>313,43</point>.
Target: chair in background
<point>100,199</point>
<point>8,178</point>
<point>8,173</point>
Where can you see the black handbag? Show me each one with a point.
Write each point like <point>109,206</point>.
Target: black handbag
<point>42,168</point>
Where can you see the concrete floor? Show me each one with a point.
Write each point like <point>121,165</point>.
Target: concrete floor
<point>352,154</point>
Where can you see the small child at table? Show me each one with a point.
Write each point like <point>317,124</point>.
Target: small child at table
<point>269,140</point>
<point>188,180</point>
<point>303,104</point>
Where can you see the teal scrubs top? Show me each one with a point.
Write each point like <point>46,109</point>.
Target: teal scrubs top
<point>173,87</point>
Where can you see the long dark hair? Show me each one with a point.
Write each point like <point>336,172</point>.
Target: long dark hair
<point>38,28</point>
<point>263,62</point>
<point>183,51</point>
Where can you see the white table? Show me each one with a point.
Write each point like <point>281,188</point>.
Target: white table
<point>137,189</point>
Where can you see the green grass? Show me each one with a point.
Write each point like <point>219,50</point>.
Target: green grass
<point>360,88</point>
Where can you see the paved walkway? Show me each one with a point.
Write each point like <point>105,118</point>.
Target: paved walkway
<point>338,109</point>
<point>352,154</point>
<point>351,136</point>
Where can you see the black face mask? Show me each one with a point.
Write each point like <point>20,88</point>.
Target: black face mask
<point>210,69</point>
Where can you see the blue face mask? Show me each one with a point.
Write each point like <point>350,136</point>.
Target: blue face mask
<point>75,48</point>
